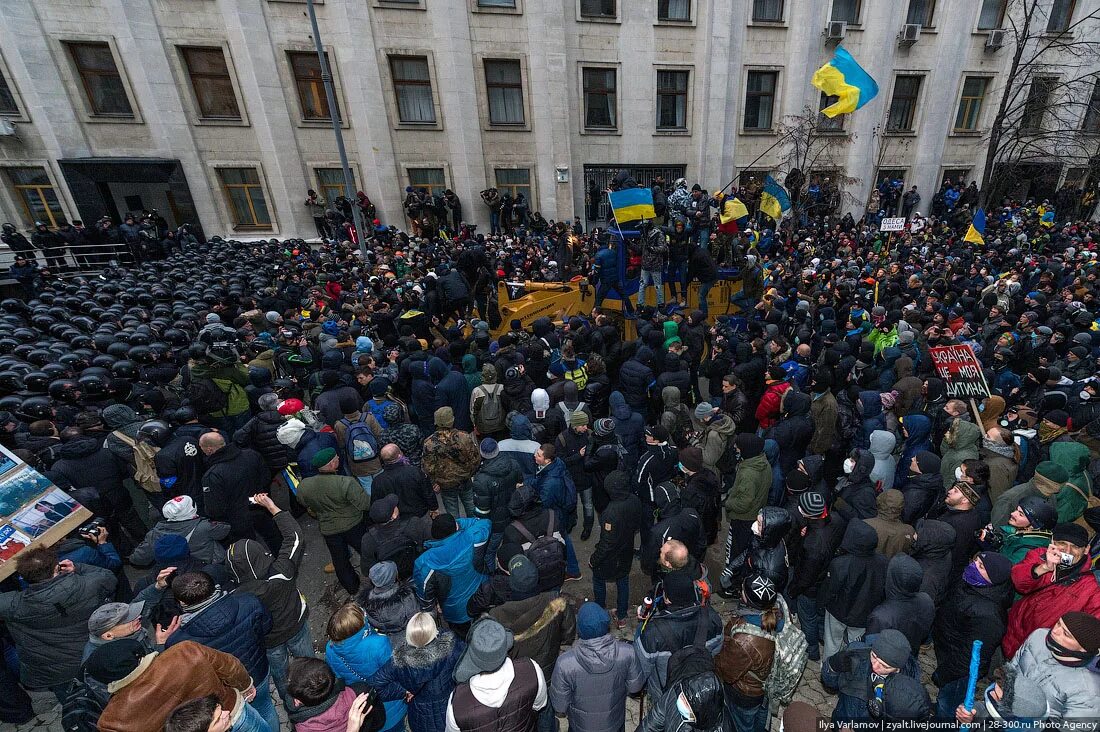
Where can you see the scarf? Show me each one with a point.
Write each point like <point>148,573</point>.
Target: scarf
<point>1050,432</point>
<point>193,610</point>
<point>1045,485</point>
<point>998,448</point>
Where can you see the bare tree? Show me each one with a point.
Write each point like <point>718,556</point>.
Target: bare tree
<point>1047,108</point>
<point>812,146</point>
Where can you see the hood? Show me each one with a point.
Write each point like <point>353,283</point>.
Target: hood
<point>427,657</point>
<point>992,409</point>
<point>724,425</point>
<point>935,390</point>
<point>813,465</point>
<point>890,503</point>
<point>705,695</point>
<point>934,539</point>
<point>795,403</point>
<point>570,397</point>
<point>119,415</point>
<point>859,539</point>
<point>644,355</point>
<point>619,408</point>
<point>488,374</point>
<point>865,463</point>
<point>775,523</point>
<point>596,655</point>
<point>903,367</point>
<point>437,369</point>
<point>967,436</point>
<point>666,499</point>
<point>363,344</point>
<point>871,402</point>
<point>617,485</point>
<point>523,500</point>
<point>248,560</point>
<point>540,400</point>
<point>670,329</point>
<point>520,428</point>
<point>918,427</point>
<point>1073,456</point>
<point>882,444</point>
<point>670,397</point>
<point>469,364</point>
<point>903,577</point>
<point>80,448</point>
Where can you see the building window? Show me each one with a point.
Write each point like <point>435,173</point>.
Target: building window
<point>672,99</point>
<point>431,179</point>
<point>674,10</point>
<point>599,98</point>
<point>767,11</point>
<point>8,105</point>
<point>597,8</point>
<point>956,175</point>
<point>829,124</point>
<point>992,14</point>
<point>921,12</point>
<point>1091,123</point>
<point>1061,16</point>
<point>504,84</point>
<point>514,181</point>
<point>102,83</point>
<point>413,86</point>
<point>245,195</point>
<point>903,105</point>
<point>331,181</point>
<point>496,3</point>
<point>306,68</point>
<point>1038,97</point>
<point>846,10</point>
<point>970,104</point>
<point>33,188</point>
<point>760,99</point>
<point>211,82</point>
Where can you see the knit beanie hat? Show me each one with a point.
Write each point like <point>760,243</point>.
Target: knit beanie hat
<point>968,491</point>
<point>692,459</point>
<point>489,448</point>
<point>592,621</point>
<point>322,457</point>
<point>443,526</point>
<point>703,410</point>
<point>997,566</point>
<point>383,574</point>
<point>798,482</point>
<point>928,462</point>
<point>180,508</point>
<point>578,418</point>
<point>1075,534</point>
<point>749,444</point>
<point>444,418</point>
<point>892,647</point>
<point>604,427</point>
<point>811,505</point>
<point>1085,629</point>
<point>759,591</point>
<point>1057,417</point>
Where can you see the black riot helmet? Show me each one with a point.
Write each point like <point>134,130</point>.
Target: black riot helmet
<point>65,390</point>
<point>124,370</point>
<point>36,382</point>
<point>35,408</point>
<point>156,432</point>
<point>93,385</point>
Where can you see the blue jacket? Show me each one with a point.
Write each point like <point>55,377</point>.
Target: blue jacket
<point>555,489</point>
<point>451,390</point>
<point>636,378</point>
<point>454,558</point>
<point>366,658</point>
<point>629,426</point>
<point>918,429</point>
<point>235,624</point>
<point>607,266</point>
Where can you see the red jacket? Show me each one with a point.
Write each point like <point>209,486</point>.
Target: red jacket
<point>769,409</point>
<point>1043,601</point>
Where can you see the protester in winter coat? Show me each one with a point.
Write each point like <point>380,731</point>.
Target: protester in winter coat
<point>1028,527</point>
<point>555,490</point>
<point>340,505</point>
<point>766,553</point>
<point>769,408</point>
<point>975,609</point>
<point>359,654</point>
<point>447,574</point>
<point>519,447</point>
<point>390,602</point>
<point>1047,483</point>
<point>904,607</point>
<point>702,491</point>
<point>815,539</point>
<point>323,702</point>
<point>400,478</point>
<point>1000,453</point>
<point>959,509</point>
<point>855,491</point>
<point>656,464</point>
<point>921,487</point>
<point>629,426</point>
<point>425,663</point>
<point>933,549</point>
<point>450,459</point>
<point>794,430</point>
<point>853,587</point>
<point>915,430</point>
<point>676,417</point>
<point>749,492</point>
<point>592,679</point>
<point>885,685</point>
<point>716,436</point>
<point>613,555</point>
<point>894,536</point>
<point>1073,497</point>
<point>493,485</point>
<point>203,536</point>
<point>541,624</point>
<point>959,444</point>
<point>673,521</point>
<point>882,448</point>
<point>232,476</point>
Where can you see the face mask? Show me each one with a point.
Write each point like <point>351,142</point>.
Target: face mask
<point>681,467</point>
<point>1080,658</point>
<point>849,465</point>
<point>958,473</point>
<point>684,709</point>
<point>973,577</point>
<point>1085,395</point>
<point>756,528</point>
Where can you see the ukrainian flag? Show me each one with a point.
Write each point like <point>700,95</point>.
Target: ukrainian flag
<point>632,204</point>
<point>733,216</point>
<point>773,199</point>
<point>843,77</point>
<point>976,232</point>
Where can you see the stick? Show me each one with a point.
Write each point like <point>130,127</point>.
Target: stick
<point>972,682</point>
<point>977,412</point>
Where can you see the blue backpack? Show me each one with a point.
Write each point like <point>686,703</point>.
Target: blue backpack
<point>377,408</point>
<point>360,446</point>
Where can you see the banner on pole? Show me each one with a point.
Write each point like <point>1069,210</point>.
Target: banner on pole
<point>893,224</point>
<point>961,370</point>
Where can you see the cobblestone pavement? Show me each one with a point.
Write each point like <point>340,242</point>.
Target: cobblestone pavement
<point>325,595</point>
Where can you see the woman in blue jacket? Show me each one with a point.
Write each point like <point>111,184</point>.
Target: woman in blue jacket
<point>358,654</point>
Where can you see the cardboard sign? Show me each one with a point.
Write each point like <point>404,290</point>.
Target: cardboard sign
<point>893,224</point>
<point>961,370</point>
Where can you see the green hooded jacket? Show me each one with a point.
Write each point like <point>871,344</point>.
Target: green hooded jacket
<point>1074,457</point>
<point>750,488</point>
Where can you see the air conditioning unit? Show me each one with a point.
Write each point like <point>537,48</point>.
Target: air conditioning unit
<point>910,32</point>
<point>995,40</point>
<point>836,30</point>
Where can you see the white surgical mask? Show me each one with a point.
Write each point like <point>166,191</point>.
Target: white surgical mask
<point>849,465</point>
<point>684,708</point>
<point>756,529</point>
<point>1085,395</point>
<point>959,473</point>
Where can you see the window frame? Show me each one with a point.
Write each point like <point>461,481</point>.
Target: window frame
<point>430,186</point>
<point>17,191</point>
<point>516,8</point>
<point>914,113</point>
<point>399,55</point>
<point>530,192</point>
<point>322,187</point>
<point>20,113</point>
<point>767,21</point>
<point>963,99</point>
<point>826,125</point>
<point>490,86</point>
<point>675,21</point>
<point>91,113</point>
<point>1069,17</point>
<point>200,114</point>
<point>319,83</point>
<point>260,184</point>
<point>686,94</point>
<point>1025,123</point>
<point>1000,16</point>
<point>774,94</point>
<point>601,17</point>
<point>586,128</point>
<point>930,14</point>
<point>1092,107</point>
<point>851,23</point>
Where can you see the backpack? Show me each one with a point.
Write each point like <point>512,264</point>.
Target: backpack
<point>546,552</point>
<point>145,466</point>
<point>378,408</point>
<point>360,445</point>
<point>82,704</point>
<point>680,425</point>
<point>491,416</point>
<point>399,548</point>
<point>788,661</point>
<point>728,461</point>
<point>691,660</point>
<point>206,397</point>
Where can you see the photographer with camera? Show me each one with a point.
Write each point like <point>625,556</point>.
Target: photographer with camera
<point>217,380</point>
<point>1028,528</point>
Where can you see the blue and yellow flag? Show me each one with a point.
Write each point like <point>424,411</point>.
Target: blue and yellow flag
<point>773,199</point>
<point>976,232</point>
<point>843,77</point>
<point>1047,219</point>
<point>733,216</point>
<point>632,204</point>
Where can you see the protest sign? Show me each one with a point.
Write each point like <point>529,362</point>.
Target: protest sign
<point>961,370</point>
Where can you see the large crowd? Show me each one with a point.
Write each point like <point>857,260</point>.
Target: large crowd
<point>801,460</point>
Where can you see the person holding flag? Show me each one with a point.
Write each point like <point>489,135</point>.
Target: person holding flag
<point>774,201</point>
